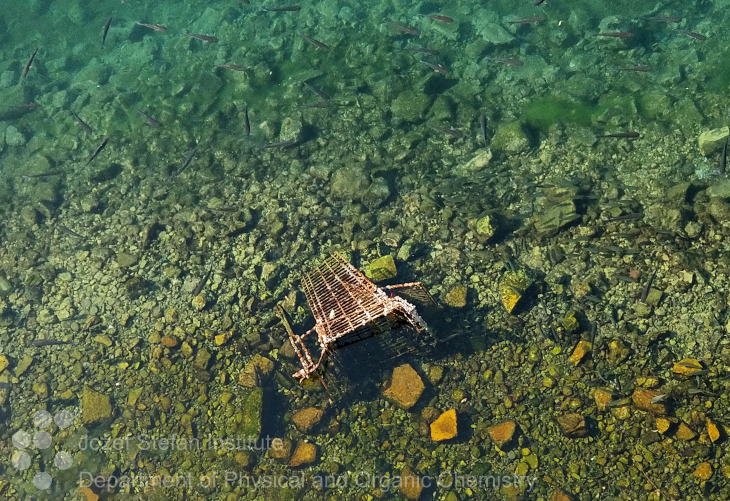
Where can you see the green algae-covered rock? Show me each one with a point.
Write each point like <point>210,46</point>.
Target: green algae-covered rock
<point>95,406</point>
<point>382,268</point>
<point>251,425</point>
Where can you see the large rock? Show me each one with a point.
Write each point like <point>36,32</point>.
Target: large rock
<point>305,453</point>
<point>405,387</point>
<point>350,182</point>
<point>502,434</point>
<point>306,419</point>
<point>252,410</point>
<point>95,406</point>
<point>712,140</point>
<point>444,428</point>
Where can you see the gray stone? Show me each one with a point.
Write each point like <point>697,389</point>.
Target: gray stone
<point>410,106</point>
<point>125,260</point>
<point>511,138</point>
<point>721,189</point>
<point>350,182</point>
<point>291,130</point>
<point>13,136</point>
<point>377,194</point>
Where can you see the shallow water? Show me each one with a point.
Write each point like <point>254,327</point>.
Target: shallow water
<point>553,174</point>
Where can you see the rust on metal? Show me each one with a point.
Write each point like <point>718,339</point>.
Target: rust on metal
<point>348,308</point>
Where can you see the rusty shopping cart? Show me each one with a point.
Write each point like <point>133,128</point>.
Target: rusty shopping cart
<point>348,308</point>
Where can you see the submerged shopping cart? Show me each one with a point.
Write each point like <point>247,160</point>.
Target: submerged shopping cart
<point>349,308</point>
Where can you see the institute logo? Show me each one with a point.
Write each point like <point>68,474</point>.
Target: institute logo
<point>40,440</point>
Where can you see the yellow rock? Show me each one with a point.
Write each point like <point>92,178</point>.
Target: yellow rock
<point>306,419</point>
<point>199,302</point>
<point>444,428</point>
<point>642,398</point>
<point>703,471</point>
<point>280,449</point>
<point>712,431</point>
<point>573,425</point>
<point>512,287</point>
<point>3,363</point>
<point>405,387</point>
<point>382,268</point>
<point>88,494</point>
<point>688,367</point>
<point>410,484</point>
<point>582,349</point>
<point>305,453</point>
<point>662,425</point>
<point>559,495</point>
<point>684,432</point>
<point>222,339</point>
<point>602,398</point>
<point>169,341</point>
<point>256,368</point>
<point>647,382</point>
<point>503,433</point>
<point>456,297</point>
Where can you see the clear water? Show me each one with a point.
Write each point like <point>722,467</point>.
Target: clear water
<point>140,165</point>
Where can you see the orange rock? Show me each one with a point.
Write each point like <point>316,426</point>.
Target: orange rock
<point>602,398</point>
<point>642,398</point>
<point>503,433</point>
<point>688,367</point>
<point>410,484</point>
<point>306,419</point>
<point>712,431</point>
<point>405,387</point>
<point>559,495</point>
<point>573,425</point>
<point>88,494</point>
<point>703,471</point>
<point>684,432</point>
<point>169,341</point>
<point>305,453</point>
<point>444,428</point>
<point>582,349</point>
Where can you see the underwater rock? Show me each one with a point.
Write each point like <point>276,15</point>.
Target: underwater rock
<point>349,182</point>
<point>502,434</point>
<point>713,432</point>
<point>512,287</point>
<point>6,287</point>
<point>291,130</point>
<point>410,106</point>
<point>281,449</point>
<point>382,268</point>
<point>377,193</point>
<point>582,349</point>
<point>252,409</point>
<point>306,419</point>
<point>256,368</point>
<point>703,471</point>
<point>719,189</point>
<point>712,140</point>
<point>573,425</point>
<point>602,398</point>
<point>305,453</point>
<point>684,433</point>
<point>405,387</point>
<point>476,164</point>
<point>444,428</point>
<point>511,138</point>
<point>13,136</point>
<point>410,484</point>
<point>643,398</point>
<point>486,226</point>
<point>456,296</point>
<point>95,406</point>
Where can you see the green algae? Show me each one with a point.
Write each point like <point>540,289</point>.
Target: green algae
<point>547,111</point>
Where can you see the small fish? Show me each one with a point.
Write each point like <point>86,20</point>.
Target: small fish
<point>150,119</point>
<point>156,27</point>
<point>664,19</point>
<point>538,2</point>
<point>105,30</point>
<point>246,123</point>
<point>287,8</point>
<point>626,217</point>
<point>692,34</point>
<point>483,125</point>
<point>436,67</point>
<point>68,231</point>
<point>97,151</point>
<point>438,17</point>
<point>529,20</point>
<point>642,68</point>
<point>27,106</point>
<point>422,50</point>
<point>47,173</point>
<point>658,399</point>
<point>615,34</point>
<point>319,92</point>
<point>83,124</point>
<point>281,144</point>
<point>318,104</point>
<point>232,67</point>
<point>203,281</point>
<point>505,60</point>
<point>316,43</point>
<point>26,68</point>
<point>185,164</point>
<point>204,38</point>
<point>629,134</point>
<point>454,133</point>
<point>402,27</point>
<point>49,342</point>
<point>647,287</point>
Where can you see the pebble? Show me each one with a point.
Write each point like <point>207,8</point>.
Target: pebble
<point>712,431</point>
<point>642,398</point>
<point>684,432</point>
<point>703,471</point>
<point>169,341</point>
<point>573,425</point>
<point>582,349</point>
<point>304,454</point>
<point>456,296</point>
<point>503,433</point>
<point>199,302</point>
<point>410,484</point>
